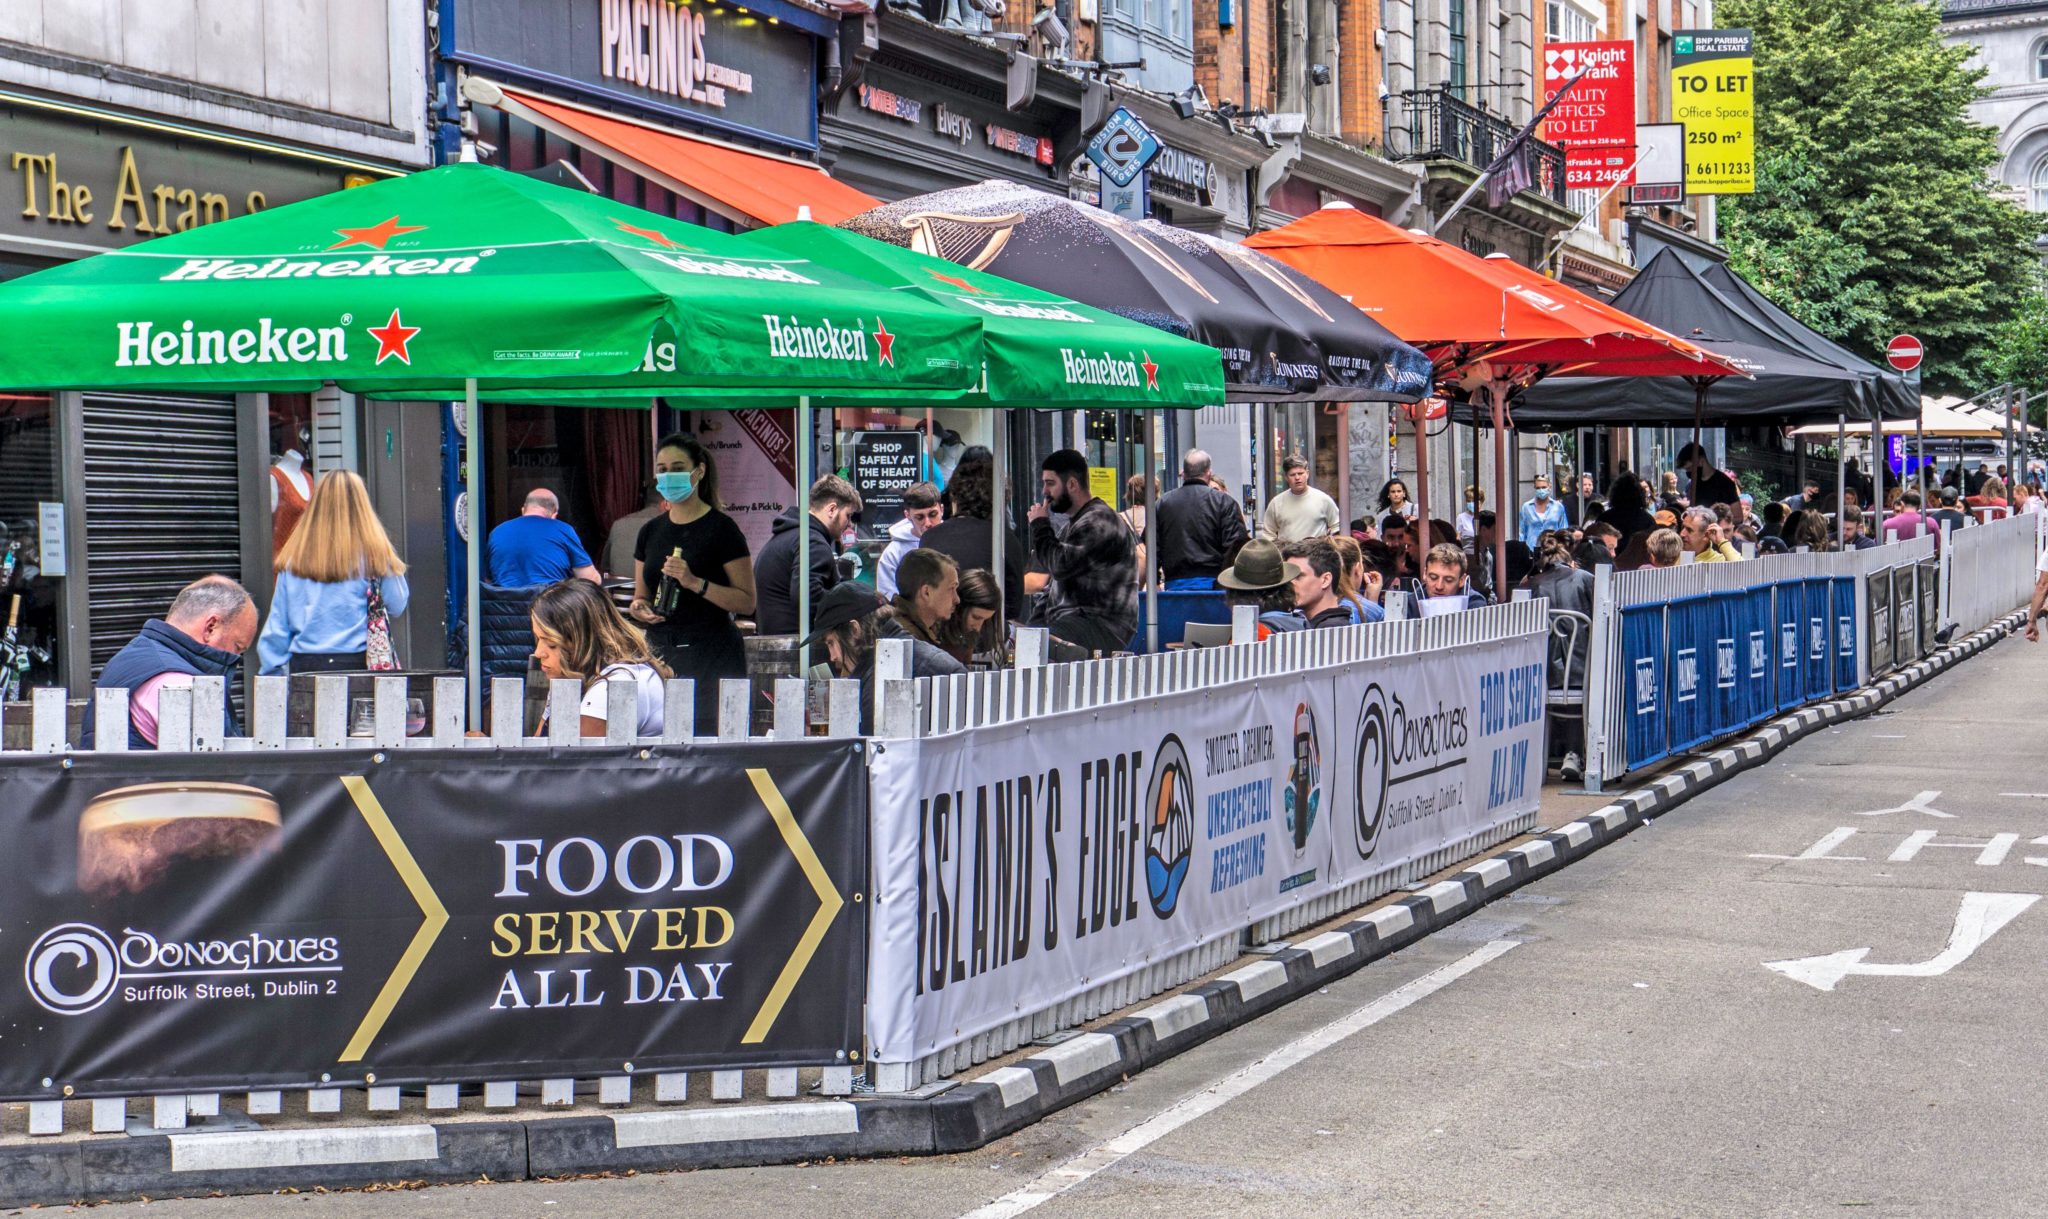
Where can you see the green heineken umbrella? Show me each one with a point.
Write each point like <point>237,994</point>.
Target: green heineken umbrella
<point>422,283</point>
<point>466,276</point>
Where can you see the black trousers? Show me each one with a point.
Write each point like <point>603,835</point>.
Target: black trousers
<point>329,662</point>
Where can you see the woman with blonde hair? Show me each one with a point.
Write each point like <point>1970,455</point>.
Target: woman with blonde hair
<point>579,635</point>
<point>339,585</point>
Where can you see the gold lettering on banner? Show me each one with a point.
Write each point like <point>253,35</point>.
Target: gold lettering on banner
<point>28,164</point>
<point>127,190</point>
<point>151,208</point>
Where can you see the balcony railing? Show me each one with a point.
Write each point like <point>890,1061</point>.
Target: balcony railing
<point>1433,125</point>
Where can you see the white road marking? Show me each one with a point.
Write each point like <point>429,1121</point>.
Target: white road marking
<point>1066,1176</point>
<point>1918,804</point>
<point>1979,918</point>
<point>1819,850</point>
<point>2025,795</point>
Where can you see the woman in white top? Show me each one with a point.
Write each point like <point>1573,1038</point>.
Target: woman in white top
<point>579,634</point>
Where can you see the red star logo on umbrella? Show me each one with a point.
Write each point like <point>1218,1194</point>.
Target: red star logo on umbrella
<point>658,238</point>
<point>392,338</point>
<point>885,343</point>
<point>1151,372</point>
<point>376,235</point>
<point>954,280</point>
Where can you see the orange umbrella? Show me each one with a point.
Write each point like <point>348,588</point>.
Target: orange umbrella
<point>1489,325</point>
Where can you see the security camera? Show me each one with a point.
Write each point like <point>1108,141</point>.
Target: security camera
<point>1048,26</point>
<point>1319,74</point>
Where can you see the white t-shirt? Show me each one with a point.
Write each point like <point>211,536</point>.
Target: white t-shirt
<point>597,699</point>
<point>1292,517</point>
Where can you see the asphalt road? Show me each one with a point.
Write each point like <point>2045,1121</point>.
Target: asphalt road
<point>1610,1041</point>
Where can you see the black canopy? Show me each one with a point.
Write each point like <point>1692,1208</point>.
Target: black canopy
<point>1284,337</point>
<point>1797,375</point>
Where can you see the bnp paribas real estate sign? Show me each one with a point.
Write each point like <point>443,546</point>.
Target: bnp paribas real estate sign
<point>1713,92</point>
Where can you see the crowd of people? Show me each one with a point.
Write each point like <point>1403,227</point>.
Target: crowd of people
<point>1076,567</point>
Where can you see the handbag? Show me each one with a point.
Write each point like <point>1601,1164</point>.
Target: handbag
<point>378,654</point>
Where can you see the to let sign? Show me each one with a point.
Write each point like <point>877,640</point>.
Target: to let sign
<point>1904,353</point>
<point>1712,73</point>
<point>1595,123</point>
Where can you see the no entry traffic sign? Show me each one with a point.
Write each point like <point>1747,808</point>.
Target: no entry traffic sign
<point>1904,352</point>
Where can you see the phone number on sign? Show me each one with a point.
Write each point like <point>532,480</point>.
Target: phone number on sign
<point>1718,169</point>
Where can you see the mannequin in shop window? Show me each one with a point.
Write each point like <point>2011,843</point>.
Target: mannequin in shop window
<point>291,488</point>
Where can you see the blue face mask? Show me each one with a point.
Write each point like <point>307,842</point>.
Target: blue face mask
<point>674,485</point>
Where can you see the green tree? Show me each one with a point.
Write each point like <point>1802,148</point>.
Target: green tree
<point>1875,211</point>
<point>2019,354</point>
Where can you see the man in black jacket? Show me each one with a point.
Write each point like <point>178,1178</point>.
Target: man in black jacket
<point>1091,600</point>
<point>1200,528</point>
<point>834,507</point>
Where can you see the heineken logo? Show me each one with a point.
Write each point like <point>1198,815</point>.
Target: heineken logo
<point>791,338</point>
<point>144,345</point>
<point>1107,369</point>
<point>377,265</point>
<point>147,345</point>
<point>726,268</point>
<point>1040,313</point>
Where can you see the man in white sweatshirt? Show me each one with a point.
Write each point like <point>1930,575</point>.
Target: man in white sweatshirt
<point>921,511</point>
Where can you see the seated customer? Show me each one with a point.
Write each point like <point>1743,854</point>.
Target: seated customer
<point>579,635</point>
<point>973,632</point>
<point>1261,577</point>
<point>848,622</point>
<point>203,634</point>
<point>1443,575</point>
<point>1318,584</point>
<point>927,592</point>
<point>537,546</point>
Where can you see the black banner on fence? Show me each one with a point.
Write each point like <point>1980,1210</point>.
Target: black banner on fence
<point>204,921</point>
<point>1878,593</point>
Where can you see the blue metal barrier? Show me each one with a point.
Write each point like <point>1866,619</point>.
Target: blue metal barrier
<point>1690,631</point>
<point>1845,633</point>
<point>1731,661</point>
<point>1644,717</point>
<point>1818,638</point>
<point>1758,654</point>
<point>1176,610</point>
<point>1788,613</point>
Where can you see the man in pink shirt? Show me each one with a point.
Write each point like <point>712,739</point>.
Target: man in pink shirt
<point>1910,521</point>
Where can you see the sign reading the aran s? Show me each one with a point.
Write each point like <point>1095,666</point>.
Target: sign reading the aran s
<point>206,922</point>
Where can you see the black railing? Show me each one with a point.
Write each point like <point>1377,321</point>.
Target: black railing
<point>1433,125</point>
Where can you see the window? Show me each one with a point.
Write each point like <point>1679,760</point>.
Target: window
<point>2037,185</point>
<point>1565,23</point>
<point>2041,60</point>
<point>1458,52</point>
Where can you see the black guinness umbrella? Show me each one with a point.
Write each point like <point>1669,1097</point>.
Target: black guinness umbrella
<point>1284,337</point>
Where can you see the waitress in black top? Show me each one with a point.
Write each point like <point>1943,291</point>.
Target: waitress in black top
<point>705,554</point>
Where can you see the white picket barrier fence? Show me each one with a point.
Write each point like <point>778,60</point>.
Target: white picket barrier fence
<point>1990,570</point>
<point>189,720</point>
<point>918,708</point>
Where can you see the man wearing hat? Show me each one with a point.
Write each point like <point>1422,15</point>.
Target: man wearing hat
<point>1261,577</point>
<point>1950,513</point>
<point>845,631</point>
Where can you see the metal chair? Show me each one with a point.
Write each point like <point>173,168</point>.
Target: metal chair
<point>1570,633</point>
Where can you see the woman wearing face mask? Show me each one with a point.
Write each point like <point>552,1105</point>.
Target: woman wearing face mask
<point>692,572</point>
<point>1468,525</point>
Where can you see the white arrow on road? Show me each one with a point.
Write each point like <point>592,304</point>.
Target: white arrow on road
<point>1980,917</point>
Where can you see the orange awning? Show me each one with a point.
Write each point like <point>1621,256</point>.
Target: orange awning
<point>745,187</point>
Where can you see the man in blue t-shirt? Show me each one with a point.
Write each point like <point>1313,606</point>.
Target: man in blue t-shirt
<point>535,548</point>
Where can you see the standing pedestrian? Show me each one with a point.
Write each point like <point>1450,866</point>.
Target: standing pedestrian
<point>1809,495</point>
<point>1540,513</point>
<point>834,506</point>
<point>537,547</point>
<point>921,511</point>
<point>1709,486</point>
<point>1475,499</point>
<point>691,575</point>
<point>1091,596</point>
<point>339,584</point>
<point>968,535</point>
<point>1394,498</point>
<point>1200,528</point>
<point>1300,512</point>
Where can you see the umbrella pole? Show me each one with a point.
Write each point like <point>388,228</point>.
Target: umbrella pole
<point>804,442</point>
<point>1877,459</point>
<point>1498,392</point>
<point>999,513</point>
<point>473,626</point>
<point>1842,470</point>
<point>1920,448</point>
<point>1152,429</point>
<point>1421,484</point>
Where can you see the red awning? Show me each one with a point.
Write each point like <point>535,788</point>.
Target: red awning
<point>743,186</point>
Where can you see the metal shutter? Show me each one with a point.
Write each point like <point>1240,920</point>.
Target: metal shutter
<point>162,506</point>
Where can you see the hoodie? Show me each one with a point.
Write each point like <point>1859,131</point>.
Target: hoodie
<point>775,578</point>
<point>902,540</point>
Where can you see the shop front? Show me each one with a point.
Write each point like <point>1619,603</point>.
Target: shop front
<point>111,502</point>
